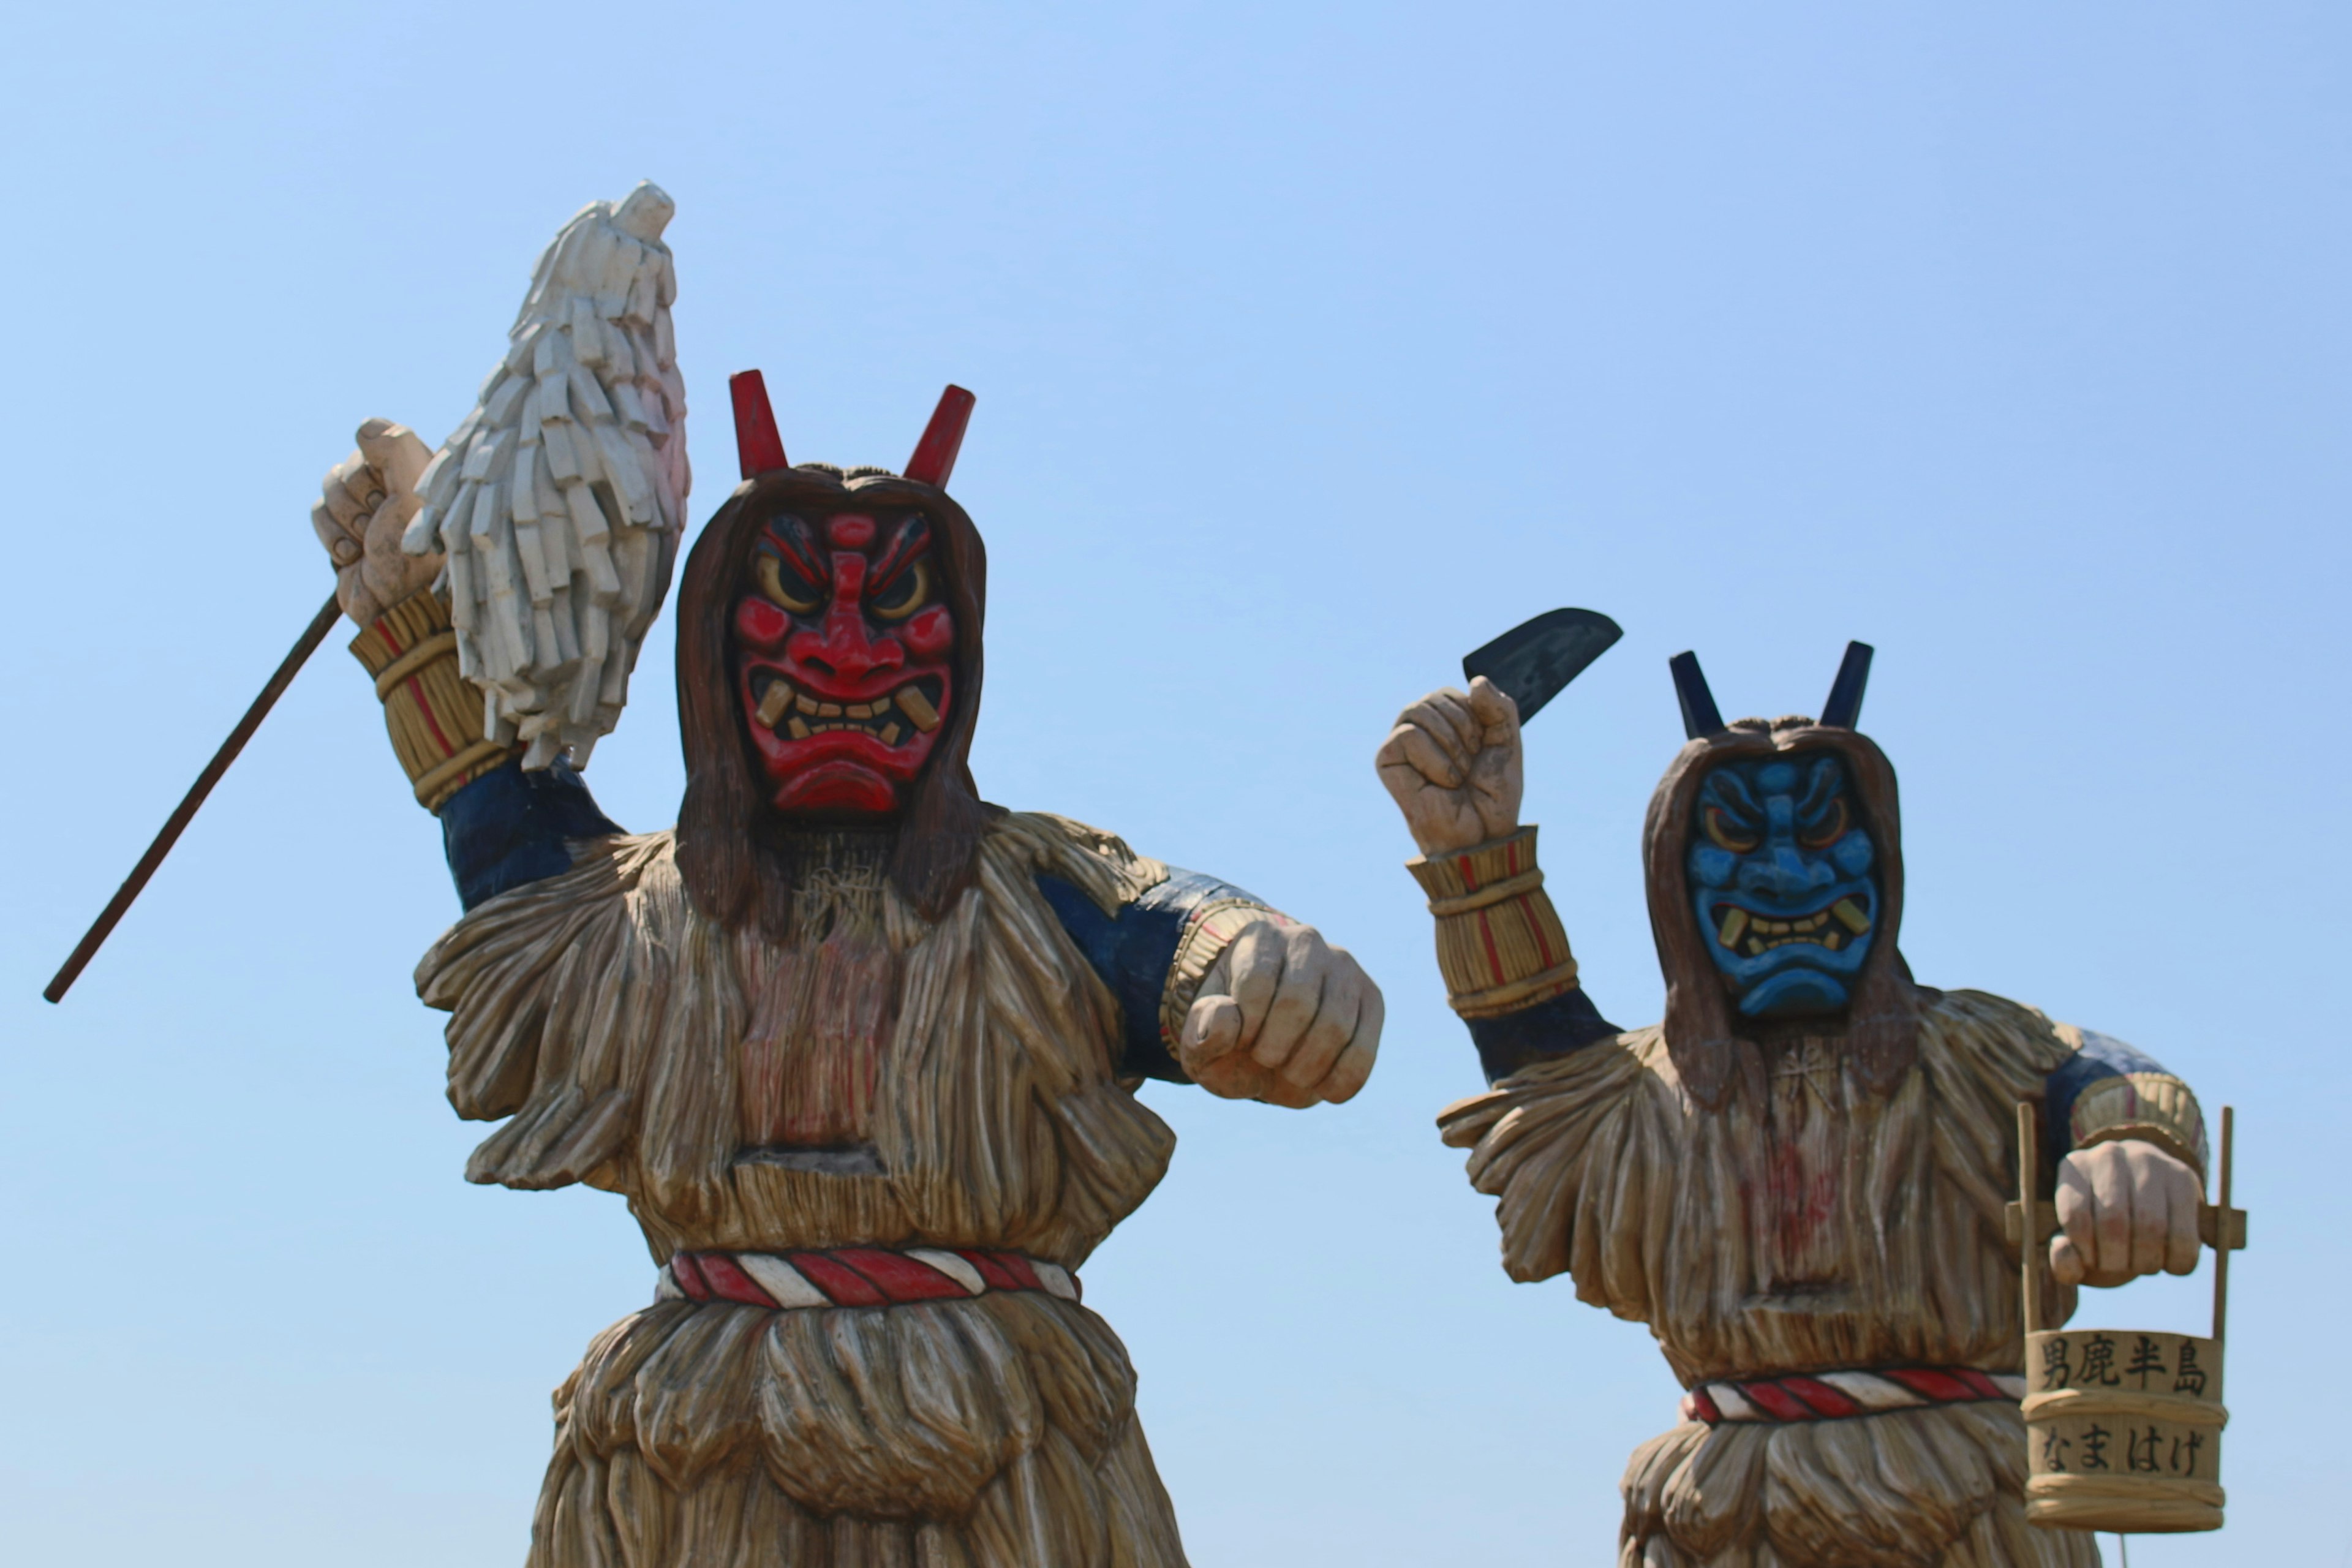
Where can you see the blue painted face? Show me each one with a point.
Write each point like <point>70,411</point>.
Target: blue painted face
<point>1779,875</point>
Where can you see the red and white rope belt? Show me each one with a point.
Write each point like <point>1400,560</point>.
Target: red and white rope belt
<point>1833,1396</point>
<point>856,1276</point>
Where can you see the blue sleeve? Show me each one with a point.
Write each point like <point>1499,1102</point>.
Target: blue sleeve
<point>509,827</point>
<point>1132,949</point>
<point>2101,1057</point>
<point>1552,1027</point>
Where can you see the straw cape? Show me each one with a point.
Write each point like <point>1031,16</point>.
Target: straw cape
<point>994,1431</point>
<point>1878,1243</point>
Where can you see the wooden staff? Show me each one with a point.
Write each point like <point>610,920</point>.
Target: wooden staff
<point>2225,1233</point>
<point>2029,1209</point>
<point>181,815</point>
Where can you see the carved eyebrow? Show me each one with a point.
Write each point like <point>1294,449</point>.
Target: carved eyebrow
<point>1824,783</point>
<point>913,536</point>
<point>1727,789</point>
<point>787,538</point>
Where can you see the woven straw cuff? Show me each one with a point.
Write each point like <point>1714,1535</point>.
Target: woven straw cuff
<point>1208,932</point>
<point>2154,1106</point>
<point>435,714</point>
<point>1500,942</point>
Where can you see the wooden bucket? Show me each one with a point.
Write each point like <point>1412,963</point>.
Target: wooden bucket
<point>2123,1427</point>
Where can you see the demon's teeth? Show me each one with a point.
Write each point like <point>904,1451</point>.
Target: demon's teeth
<point>1850,916</point>
<point>1735,921</point>
<point>807,703</point>
<point>1834,941</point>
<point>890,733</point>
<point>859,710</point>
<point>916,707</point>
<point>1754,947</point>
<point>798,730</point>
<point>773,705</point>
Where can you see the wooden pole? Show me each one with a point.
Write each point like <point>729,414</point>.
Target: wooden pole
<point>2029,1183</point>
<point>2222,1232</point>
<point>175,825</point>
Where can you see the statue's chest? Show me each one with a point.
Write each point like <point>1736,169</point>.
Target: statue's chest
<point>809,1063</point>
<point>1807,1144</point>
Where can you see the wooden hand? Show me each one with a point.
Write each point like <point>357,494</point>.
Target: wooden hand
<point>2125,1208</point>
<point>1285,1017</point>
<point>364,504</point>
<point>1454,765</point>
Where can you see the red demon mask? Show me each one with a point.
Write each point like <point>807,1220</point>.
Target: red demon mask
<point>844,659</point>
<point>845,640</point>
<point>829,671</point>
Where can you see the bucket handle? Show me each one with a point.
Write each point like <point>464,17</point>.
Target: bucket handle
<point>2219,1225</point>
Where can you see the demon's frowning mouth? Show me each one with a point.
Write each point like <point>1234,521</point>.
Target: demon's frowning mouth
<point>913,708</point>
<point>1761,932</point>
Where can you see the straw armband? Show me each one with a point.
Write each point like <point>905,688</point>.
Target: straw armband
<point>433,714</point>
<point>2154,1106</point>
<point>1208,932</point>
<point>1500,942</point>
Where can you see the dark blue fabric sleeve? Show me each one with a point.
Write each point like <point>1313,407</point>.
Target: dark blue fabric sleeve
<point>1132,949</point>
<point>2101,1057</point>
<point>509,827</point>
<point>1552,1027</point>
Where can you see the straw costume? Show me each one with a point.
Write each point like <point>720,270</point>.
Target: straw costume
<point>859,1050</point>
<point>1796,1180</point>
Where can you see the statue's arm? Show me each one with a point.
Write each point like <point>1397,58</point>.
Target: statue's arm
<point>1140,953</point>
<point>2108,1090</point>
<point>500,826</point>
<point>1505,956</point>
<point>2127,1143</point>
<point>1454,764</point>
<point>1217,988</point>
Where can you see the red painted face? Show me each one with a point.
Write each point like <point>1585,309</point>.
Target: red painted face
<point>843,648</point>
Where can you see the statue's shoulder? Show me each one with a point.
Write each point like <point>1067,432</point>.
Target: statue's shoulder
<point>624,877</point>
<point>1100,863</point>
<point>1571,1084</point>
<point>1980,1028</point>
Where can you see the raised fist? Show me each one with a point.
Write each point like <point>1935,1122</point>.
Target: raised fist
<point>1453,762</point>
<point>1283,1016</point>
<point>366,501</point>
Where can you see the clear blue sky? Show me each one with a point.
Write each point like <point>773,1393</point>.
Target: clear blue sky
<point>1315,344</point>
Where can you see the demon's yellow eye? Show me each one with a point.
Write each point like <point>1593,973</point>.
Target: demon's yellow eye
<point>1726,834</point>
<point>797,598</point>
<point>902,598</point>
<point>1828,831</point>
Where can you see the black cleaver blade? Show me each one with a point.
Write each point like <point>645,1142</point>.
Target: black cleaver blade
<point>1535,660</point>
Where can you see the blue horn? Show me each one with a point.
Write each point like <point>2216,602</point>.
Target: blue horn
<point>1700,716</point>
<point>1843,709</point>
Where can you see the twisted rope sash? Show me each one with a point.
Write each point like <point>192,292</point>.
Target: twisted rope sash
<point>856,1276</point>
<point>1834,1396</point>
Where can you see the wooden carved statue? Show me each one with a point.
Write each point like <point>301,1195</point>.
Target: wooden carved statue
<point>859,1050</point>
<point>1796,1180</point>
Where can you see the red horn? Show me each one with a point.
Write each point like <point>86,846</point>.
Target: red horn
<point>760,449</point>
<point>935,454</point>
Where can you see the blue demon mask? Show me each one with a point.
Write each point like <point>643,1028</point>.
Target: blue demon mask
<point>1780,882</point>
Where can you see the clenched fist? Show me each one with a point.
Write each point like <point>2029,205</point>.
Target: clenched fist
<point>1283,1016</point>
<point>1454,764</point>
<point>365,502</point>
<point>2124,1209</point>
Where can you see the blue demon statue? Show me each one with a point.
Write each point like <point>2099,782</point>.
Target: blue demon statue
<point>1797,1178</point>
